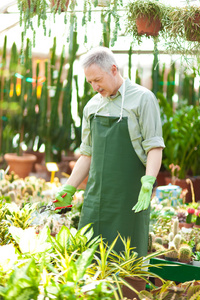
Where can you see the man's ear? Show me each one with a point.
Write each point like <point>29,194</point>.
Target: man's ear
<point>114,70</point>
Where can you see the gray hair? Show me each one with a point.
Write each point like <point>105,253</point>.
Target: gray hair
<point>101,56</point>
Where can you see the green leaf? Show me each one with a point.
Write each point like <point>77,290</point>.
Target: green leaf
<point>84,261</point>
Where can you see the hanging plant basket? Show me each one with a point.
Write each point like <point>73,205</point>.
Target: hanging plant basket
<point>63,7</point>
<point>146,17</point>
<point>149,26</point>
<point>192,28</point>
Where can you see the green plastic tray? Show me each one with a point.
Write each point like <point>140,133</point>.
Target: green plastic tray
<point>177,271</point>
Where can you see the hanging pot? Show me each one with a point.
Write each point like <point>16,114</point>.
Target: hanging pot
<point>192,30</point>
<point>149,26</point>
<point>58,2</point>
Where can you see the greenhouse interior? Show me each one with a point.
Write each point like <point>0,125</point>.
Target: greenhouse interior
<point>99,149</point>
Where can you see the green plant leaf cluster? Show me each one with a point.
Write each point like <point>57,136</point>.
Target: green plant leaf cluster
<point>181,136</point>
<point>68,266</point>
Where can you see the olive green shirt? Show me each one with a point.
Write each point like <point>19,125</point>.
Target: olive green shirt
<point>142,109</point>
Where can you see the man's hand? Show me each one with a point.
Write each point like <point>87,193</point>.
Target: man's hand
<point>65,195</point>
<point>145,193</point>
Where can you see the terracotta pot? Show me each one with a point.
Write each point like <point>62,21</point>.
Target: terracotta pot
<point>138,283</point>
<point>21,165</point>
<point>193,34</point>
<point>196,226</point>
<point>196,186</point>
<point>40,156</point>
<point>188,225</point>
<point>181,224</point>
<point>148,26</point>
<point>62,10</point>
<point>29,5</point>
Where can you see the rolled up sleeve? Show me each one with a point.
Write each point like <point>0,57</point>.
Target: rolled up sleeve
<point>150,122</point>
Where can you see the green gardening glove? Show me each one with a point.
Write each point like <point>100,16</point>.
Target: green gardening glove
<point>64,196</point>
<point>145,193</point>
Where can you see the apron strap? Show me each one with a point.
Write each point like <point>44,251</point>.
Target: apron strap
<point>122,105</point>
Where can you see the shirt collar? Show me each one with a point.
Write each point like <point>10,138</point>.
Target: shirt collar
<point>119,92</point>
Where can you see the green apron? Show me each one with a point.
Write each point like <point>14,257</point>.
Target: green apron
<point>113,185</point>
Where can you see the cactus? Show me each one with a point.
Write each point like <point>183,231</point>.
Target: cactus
<point>185,253</point>
<point>171,236</point>
<point>173,254</point>
<point>157,247</point>
<point>12,196</point>
<point>198,246</point>
<point>171,83</point>
<point>67,120</point>
<point>159,240</point>
<point>177,241</point>
<point>175,226</point>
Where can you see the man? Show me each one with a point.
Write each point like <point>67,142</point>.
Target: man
<point>121,148</point>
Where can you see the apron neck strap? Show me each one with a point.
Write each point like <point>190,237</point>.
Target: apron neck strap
<point>122,104</point>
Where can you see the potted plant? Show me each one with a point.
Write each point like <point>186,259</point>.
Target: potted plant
<point>190,213</point>
<point>41,9</point>
<point>197,222</point>
<point>185,254</point>
<point>145,18</point>
<point>184,23</point>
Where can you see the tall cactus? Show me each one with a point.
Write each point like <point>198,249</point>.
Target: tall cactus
<point>88,93</point>
<point>155,70</point>
<point>68,122</point>
<point>2,68</point>
<point>43,120</point>
<point>171,83</point>
<point>55,126</point>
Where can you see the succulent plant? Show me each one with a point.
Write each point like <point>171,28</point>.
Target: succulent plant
<point>181,217</point>
<point>190,212</point>
<point>185,253</point>
<point>198,247</point>
<point>159,240</point>
<point>177,240</point>
<point>175,226</point>
<point>171,236</point>
<point>173,254</point>
<point>157,247</point>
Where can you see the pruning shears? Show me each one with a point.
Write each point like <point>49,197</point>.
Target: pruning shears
<point>51,206</point>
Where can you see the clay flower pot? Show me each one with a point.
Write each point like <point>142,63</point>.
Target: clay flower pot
<point>21,165</point>
<point>56,9</point>
<point>138,283</point>
<point>148,26</point>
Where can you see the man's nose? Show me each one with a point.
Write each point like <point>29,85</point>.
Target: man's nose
<point>95,86</point>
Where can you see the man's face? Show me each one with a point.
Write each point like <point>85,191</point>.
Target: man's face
<point>102,82</point>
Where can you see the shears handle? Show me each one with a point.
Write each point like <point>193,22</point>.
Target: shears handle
<point>61,207</point>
